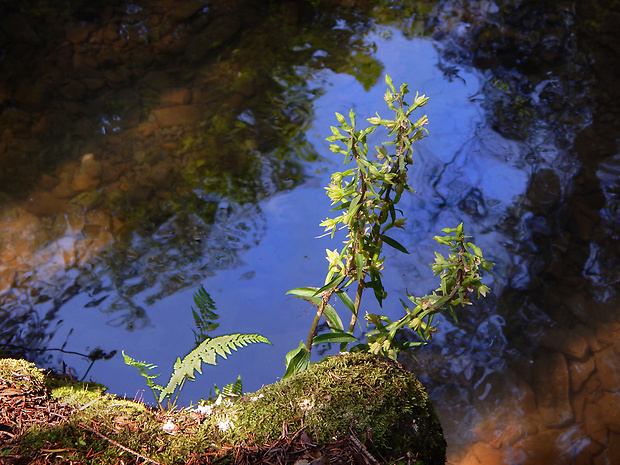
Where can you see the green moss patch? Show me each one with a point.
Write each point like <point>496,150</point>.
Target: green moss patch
<point>374,399</point>
<point>357,402</point>
<point>21,375</point>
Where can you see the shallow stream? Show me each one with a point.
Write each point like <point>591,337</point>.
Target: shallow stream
<point>148,149</point>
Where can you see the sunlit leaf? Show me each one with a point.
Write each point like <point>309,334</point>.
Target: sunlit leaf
<point>359,265</point>
<point>344,297</point>
<point>306,293</point>
<point>332,283</point>
<point>333,320</point>
<point>297,360</point>
<point>337,336</point>
<point>206,352</point>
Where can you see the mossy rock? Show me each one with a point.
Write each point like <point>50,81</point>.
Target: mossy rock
<point>347,396</point>
<point>377,400</point>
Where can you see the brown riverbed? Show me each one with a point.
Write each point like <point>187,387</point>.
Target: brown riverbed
<point>107,133</point>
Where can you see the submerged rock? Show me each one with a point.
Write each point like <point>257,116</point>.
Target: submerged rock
<point>180,115</point>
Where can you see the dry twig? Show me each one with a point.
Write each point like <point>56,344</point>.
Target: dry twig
<point>116,444</point>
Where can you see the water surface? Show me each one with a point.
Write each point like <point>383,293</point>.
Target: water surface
<point>183,163</point>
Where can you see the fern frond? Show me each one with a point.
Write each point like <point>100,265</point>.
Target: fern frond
<point>235,389</point>
<point>206,352</point>
<point>205,317</point>
<point>203,301</point>
<point>144,369</point>
<point>230,391</point>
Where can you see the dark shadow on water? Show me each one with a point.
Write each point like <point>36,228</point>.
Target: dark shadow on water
<point>163,206</point>
<point>138,141</point>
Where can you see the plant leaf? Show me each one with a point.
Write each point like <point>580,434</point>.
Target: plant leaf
<point>206,352</point>
<point>392,243</point>
<point>297,360</point>
<point>359,265</point>
<point>332,318</point>
<point>335,336</point>
<point>344,297</point>
<point>306,293</point>
<point>144,369</point>
<point>333,283</point>
<point>231,390</point>
<point>205,317</point>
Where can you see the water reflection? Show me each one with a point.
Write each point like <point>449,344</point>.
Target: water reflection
<point>557,334</point>
<point>123,192</point>
<point>188,154</point>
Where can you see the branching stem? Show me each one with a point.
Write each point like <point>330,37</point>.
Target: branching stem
<point>317,317</point>
<point>366,196</point>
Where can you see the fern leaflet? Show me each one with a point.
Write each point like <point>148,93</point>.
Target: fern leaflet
<point>206,352</point>
<point>205,317</point>
<point>230,391</point>
<point>144,369</point>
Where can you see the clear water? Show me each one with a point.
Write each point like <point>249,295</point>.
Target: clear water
<point>251,295</point>
<point>134,292</point>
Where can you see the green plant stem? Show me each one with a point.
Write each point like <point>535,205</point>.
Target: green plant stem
<point>375,238</point>
<point>161,407</point>
<point>436,307</point>
<point>174,402</point>
<point>319,313</point>
<point>358,300</point>
<point>356,305</point>
<point>457,284</point>
<point>357,248</point>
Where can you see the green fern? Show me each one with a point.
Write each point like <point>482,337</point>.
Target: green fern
<point>206,352</point>
<point>205,317</point>
<point>144,369</point>
<point>230,391</point>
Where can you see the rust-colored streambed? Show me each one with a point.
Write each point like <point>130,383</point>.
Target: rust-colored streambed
<point>150,147</point>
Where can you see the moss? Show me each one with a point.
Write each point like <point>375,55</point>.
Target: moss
<point>384,405</point>
<point>20,374</point>
<point>129,423</point>
<point>70,442</point>
<point>378,401</point>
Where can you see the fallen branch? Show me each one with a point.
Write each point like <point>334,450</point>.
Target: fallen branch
<point>116,444</point>
<point>362,449</point>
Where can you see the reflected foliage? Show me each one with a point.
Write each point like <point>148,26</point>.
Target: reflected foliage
<point>181,201</point>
